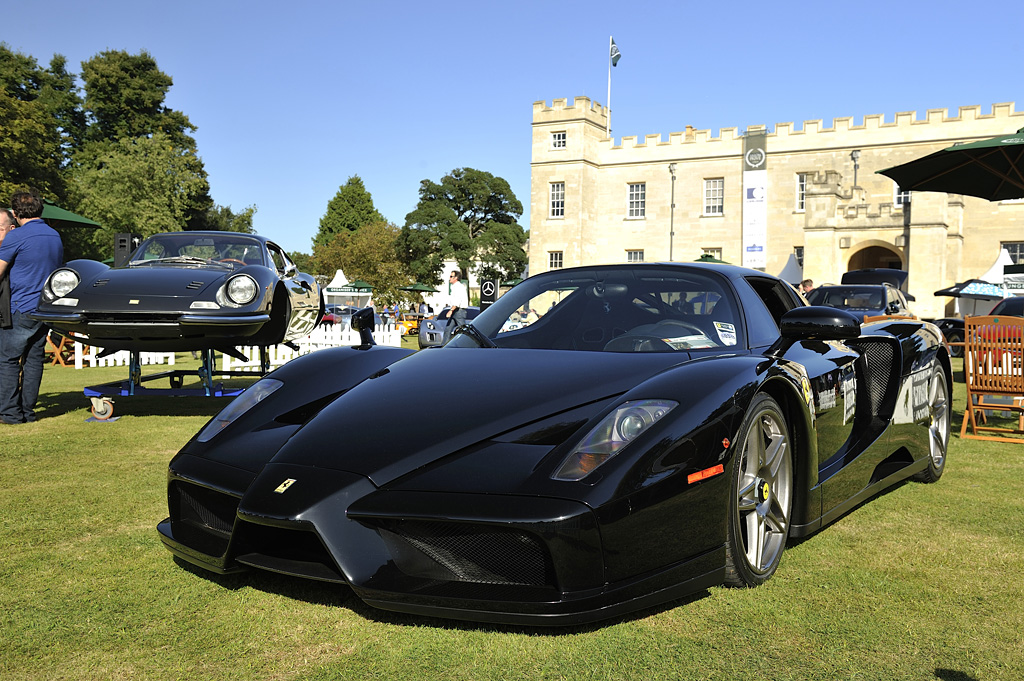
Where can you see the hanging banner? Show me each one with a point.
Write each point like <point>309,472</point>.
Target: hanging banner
<point>755,201</point>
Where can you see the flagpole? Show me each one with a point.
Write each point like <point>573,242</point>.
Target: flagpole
<point>608,120</point>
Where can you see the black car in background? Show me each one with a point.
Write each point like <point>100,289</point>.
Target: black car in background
<point>180,291</point>
<point>953,327</point>
<point>431,330</point>
<point>866,293</point>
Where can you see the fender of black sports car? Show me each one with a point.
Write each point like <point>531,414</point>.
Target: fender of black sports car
<point>656,427</point>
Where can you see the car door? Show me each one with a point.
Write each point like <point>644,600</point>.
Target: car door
<point>831,369</point>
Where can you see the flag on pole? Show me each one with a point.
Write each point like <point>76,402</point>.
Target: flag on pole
<point>615,54</point>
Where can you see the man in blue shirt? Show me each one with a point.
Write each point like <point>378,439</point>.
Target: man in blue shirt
<point>28,255</point>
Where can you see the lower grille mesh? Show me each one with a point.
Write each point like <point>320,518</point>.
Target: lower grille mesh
<point>482,555</point>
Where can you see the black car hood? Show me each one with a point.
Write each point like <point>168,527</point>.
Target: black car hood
<point>437,402</point>
<point>155,280</point>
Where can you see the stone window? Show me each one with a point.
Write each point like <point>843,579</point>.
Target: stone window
<point>714,196</point>
<point>900,197</point>
<point>557,200</point>
<point>554,260</point>
<point>1016,251</point>
<point>635,256</point>
<point>801,192</point>
<point>558,140</point>
<point>637,201</point>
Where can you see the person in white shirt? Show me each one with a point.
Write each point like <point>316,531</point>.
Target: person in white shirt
<point>457,301</point>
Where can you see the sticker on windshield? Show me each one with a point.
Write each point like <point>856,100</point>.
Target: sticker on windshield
<point>690,342</point>
<point>726,333</point>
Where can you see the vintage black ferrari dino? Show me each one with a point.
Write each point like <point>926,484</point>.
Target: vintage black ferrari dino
<point>629,434</point>
<point>185,291</point>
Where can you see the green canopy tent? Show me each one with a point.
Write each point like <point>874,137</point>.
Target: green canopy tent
<point>707,257</point>
<point>991,169</point>
<point>56,217</point>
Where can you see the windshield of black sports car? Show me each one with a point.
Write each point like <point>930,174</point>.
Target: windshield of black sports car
<point>230,250</point>
<point>614,309</point>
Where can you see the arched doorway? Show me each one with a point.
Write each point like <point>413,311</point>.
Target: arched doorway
<point>875,256</point>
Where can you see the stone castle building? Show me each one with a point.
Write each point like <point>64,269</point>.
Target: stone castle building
<point>775,200</point>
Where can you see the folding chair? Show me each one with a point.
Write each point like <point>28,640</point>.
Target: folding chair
<point>993,367</point>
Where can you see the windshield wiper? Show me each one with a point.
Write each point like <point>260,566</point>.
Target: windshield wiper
<point>476,334</point>
<point>177,258</point>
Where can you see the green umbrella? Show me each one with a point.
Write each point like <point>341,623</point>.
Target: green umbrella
<point>707,257</point>
<point>56,216</point>
<point>991,169</point>
<point>418,288</point>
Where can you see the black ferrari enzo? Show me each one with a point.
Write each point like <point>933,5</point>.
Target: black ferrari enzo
<point>184,291</point>
<point>646,431</point>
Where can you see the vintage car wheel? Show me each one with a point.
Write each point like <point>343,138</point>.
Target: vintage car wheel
<point>761,501</point>
<point>938,426</point>
<point>955,350</point>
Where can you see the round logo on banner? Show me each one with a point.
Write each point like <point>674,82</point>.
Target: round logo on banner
<point>487,289</point>
<point>755,157</point>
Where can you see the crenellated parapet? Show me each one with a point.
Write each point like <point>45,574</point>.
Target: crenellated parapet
<point>874,130</point>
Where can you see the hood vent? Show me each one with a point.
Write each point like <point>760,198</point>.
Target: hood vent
<point>195,285</point>
<point>100,282</point>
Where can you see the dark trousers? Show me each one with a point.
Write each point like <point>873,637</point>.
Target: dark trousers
<point>22,348</point>
<point>455,320</point>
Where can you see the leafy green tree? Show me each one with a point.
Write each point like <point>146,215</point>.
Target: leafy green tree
<point>369,254</point>
<point>143,185</point>
<point>471,217</point>
<point>124,97</point>
<point>349,210</point>
<point>124,101</point>
<point>41,123</point>
<point>304,261</point>
<point>223,219</point>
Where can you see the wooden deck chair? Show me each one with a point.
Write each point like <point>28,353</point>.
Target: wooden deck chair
<point>993,366</point>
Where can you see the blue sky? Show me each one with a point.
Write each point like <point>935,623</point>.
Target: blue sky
<point>291,99</point>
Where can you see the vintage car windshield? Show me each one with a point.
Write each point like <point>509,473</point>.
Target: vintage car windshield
<point>614,310</point>
<point>229,250</point>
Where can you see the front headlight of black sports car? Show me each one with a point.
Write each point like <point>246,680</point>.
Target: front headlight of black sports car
<point>240,290</point>
<point>614,432</point>
<point>252,396</point>
<point>62,282</point>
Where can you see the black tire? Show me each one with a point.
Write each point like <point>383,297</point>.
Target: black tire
<point>761,498</point>
<point>955,350</point>
<point>938,425</point>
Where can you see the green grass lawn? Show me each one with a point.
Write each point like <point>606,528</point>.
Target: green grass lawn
<point>925,582</point>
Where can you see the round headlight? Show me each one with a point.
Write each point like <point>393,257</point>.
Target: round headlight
<point>632,424</point>
<point>62,282</point>
<point>242,289</point>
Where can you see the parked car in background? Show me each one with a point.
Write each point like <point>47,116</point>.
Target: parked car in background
<point>1011,307</point>
<point>862,299</point>
<point>432,328</point>
<point>182,291</point>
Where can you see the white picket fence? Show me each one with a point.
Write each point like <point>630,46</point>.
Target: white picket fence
<point>88,355</point>
<point>321,337</point>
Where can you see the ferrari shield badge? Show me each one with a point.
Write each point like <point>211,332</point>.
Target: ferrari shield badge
<point>283,487</point>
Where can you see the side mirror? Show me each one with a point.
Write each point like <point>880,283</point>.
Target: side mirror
<point>362,321</point>
<point>818,322</point>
